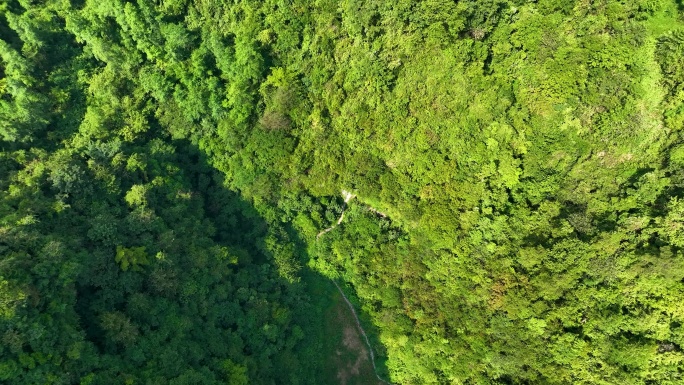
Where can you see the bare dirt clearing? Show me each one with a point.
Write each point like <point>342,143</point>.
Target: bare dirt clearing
<point>350,358</point>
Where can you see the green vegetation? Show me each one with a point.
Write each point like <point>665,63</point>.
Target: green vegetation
<point>166,166</point>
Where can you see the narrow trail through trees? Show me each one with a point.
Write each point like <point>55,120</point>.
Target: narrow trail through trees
<point>348,197</point>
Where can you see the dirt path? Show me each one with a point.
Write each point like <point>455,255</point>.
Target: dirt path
<point>363,333</point>
<point>348,197</point>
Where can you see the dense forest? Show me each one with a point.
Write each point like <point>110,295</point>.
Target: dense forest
<point>167,169</point>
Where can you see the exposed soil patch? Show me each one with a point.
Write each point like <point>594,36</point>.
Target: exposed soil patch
<point>351,360</point>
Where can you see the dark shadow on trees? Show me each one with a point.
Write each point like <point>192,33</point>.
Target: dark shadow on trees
<point>238,227</point>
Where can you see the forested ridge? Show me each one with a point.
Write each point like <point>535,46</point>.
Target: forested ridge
<point>167,167</point>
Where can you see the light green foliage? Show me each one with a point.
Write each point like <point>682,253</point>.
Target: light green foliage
<point>235,374</point>
<point>134,257</point>
<point>136,196</point>
<point>9,299</point>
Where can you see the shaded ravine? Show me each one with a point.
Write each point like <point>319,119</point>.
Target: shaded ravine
<point>348,197</point>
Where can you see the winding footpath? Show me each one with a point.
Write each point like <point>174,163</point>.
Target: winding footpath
<point>347,197</point>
